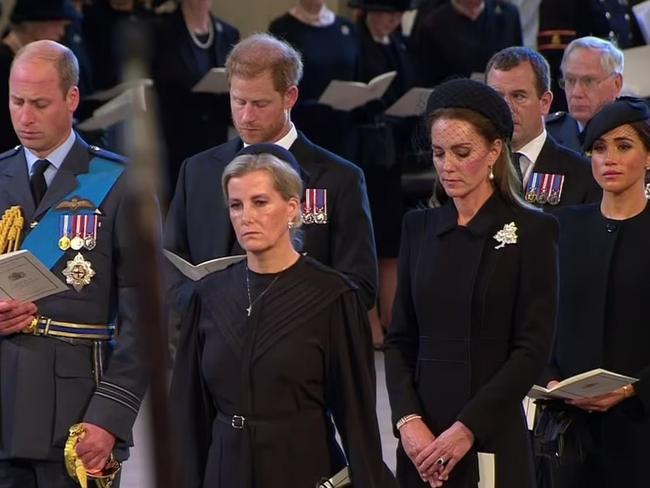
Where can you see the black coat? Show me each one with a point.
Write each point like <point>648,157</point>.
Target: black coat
<point>602,323</point>
<point>47,384</point>
<point>472,326</point>
<point>198,224</point>
<point>450,44</point>
<point>302,360</point>
<point>579,184</point>
<point>191,122</point>
<point>564,130</point>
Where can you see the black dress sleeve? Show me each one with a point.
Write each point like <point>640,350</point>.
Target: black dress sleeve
<point>351,392</point>
<point>190,401</point>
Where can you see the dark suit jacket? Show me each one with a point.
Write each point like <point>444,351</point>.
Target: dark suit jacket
<point>472,327</point>
<point>579,184</point>
<point>602,323</point>
<point>564,130</point>
<point>191,122</point>
<point>198,225</point>
<point>48,384</point>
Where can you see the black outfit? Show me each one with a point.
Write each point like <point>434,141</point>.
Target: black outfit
<point>331,129</point>
<point>301,359</point>
<point>198,225</point>
<point>385,142</point>
<point>450,44</point>
<point>579,185</point>
<point>565,130</point>
<point>602,324</point>
<point>191,122</point>
<point>47,384</point>
<point>472,325</point>
<point>8,138</point>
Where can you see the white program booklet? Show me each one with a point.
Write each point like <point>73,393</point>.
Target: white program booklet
<point>411,104</point>
<point>636,81</point>
<point>23,277</point>
<point>486,470</point>
<point>584,385</point>
<point>214,81</point>
<point>116,110</point>
<point>348,95</point>
<point>197,271</point>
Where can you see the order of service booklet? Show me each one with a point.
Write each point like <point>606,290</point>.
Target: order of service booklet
<point>24,278</point>
<point>197,271</point>
<point>584,385</point>
<point>348,95</point>
<point>215,81</point>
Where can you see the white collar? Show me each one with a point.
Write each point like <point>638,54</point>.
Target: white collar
<point>55,157</point>
<point>531,151</point>
<point>287,141</point>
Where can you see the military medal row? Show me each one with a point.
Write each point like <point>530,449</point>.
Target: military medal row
<point>78,231</point>
<point>544,188</point>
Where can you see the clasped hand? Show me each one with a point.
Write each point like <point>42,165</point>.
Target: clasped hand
<point>426,451</point>
<point>95,447</point>
<point>15,316</point>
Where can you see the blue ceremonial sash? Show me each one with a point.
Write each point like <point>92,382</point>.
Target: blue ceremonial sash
<point>42,241</point>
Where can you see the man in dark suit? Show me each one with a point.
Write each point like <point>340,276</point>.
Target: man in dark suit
<point>551,174</point>
<point>592,77</point>
<point>62,361</point>
<point>264,73</point>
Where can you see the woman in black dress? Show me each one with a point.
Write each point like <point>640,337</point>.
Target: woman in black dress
<point>476,303</point>
<point>273,349</point>
<point>604,290</point>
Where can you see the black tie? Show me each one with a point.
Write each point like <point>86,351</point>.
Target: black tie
<point>37,181</point>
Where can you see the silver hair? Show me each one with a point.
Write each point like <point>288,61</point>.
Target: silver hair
<point>611,58</point>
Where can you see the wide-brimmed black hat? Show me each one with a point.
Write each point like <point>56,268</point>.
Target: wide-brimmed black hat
<point>43,10</point>
<point>624,110</point>
<point>473,95</point>
<point>382,5</point>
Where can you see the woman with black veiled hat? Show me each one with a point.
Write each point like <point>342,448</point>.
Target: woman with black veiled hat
<point>274,352</point>
<point>604,290</point>
<point>475,306</point>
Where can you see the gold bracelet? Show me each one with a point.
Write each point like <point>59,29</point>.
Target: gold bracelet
<point>627,391</point>
<point>407,418</point>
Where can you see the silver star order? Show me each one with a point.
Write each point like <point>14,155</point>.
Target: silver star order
<point>78,272</point>
<point>507,235</point>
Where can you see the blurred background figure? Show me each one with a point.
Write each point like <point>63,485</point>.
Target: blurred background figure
<point>458,38</point>
<point>384,142</point>
<point>189,42</point>
<point>329,46</point>
<point>602,320</point>
<point>31,20</point>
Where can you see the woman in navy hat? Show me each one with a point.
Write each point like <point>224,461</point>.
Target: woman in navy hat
<point>274,352</point>
<point>602,320</point>
<point>475,306</point>
<point>384,142</point>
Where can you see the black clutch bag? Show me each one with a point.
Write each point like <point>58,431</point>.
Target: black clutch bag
<point>561,434</point>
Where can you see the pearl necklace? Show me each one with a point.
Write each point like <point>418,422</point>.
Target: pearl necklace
<point>196,40</point>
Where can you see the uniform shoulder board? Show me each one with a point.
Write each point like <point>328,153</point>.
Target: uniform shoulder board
<point>103,153</point>
<point>555,116</point>
<point>10,152</point>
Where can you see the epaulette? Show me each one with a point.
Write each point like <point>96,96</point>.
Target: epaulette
<point>10,152</point>
<point>555,116</point>
<point>103,153</point>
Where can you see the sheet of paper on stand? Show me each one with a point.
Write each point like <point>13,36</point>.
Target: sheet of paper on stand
<point>411,104</point>
<point>116,110</point>
<point>214,81</point>
<point>348,95</point>
<point>103,95</point>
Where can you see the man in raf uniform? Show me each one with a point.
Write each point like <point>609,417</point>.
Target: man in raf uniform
<point>62,360</point>
<point>551,174</point>
<point>592,77</point>
<point>264,73</point>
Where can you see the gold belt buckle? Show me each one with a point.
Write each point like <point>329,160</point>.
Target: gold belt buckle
<point>32,328</point>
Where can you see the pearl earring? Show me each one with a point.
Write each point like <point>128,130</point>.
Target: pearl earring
<point>290,225</point>
<point>491,175</point>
